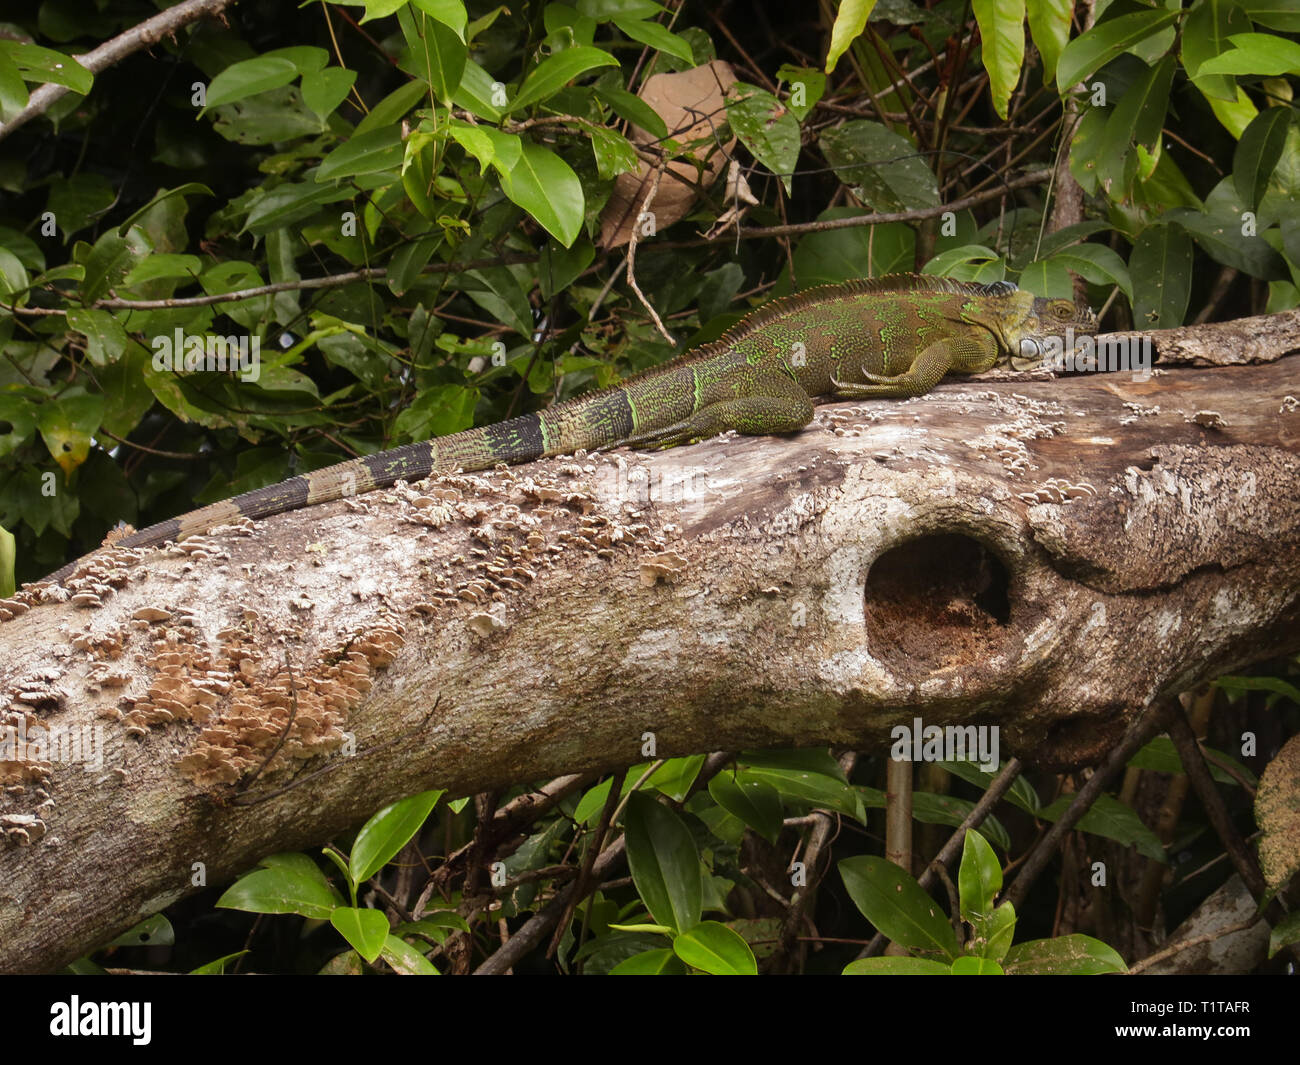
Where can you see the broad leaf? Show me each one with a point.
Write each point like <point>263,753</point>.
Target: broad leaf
<point>664,861</point>
<point>894,902</point>
<point>1002,33</point>
<point>714,948</point>
<point>387,833</point>
<point>365,930</point>
<point>546,187</point>
<point>555,72</point>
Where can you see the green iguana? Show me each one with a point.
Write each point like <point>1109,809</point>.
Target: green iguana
<point>894,337</point>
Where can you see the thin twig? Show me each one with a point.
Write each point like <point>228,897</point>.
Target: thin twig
<point>631,252</point>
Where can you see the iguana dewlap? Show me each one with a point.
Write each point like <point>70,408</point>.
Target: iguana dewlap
<point>892,337</point>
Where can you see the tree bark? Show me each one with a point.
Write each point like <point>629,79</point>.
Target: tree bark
<point>1045,556</point>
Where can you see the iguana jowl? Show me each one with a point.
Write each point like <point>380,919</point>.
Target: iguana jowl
<point>893,336</point>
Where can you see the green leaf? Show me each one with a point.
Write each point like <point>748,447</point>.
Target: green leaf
<point>561,267</point>
<point>306,58</point>
<point>1002,32</point>
<point>1064,956</point>
<point>546,187</point>
<point>217,967</point>
<point>13,93</point>
<point>1137,119</point>
<point>1160,756</point>
<point>1047,279</point>
<point>1220,233</point>
<point>1097,263</point>
<point>365,930</point>
<point>380,8</point>
<point>756,803</point>
<point>1257,153</point>
<point>491,147</point>
<point>1205,34</point>
<point>444,60</point>
<point>408,261</point>
<point>807,789</point>
<point>973,966</point>
<point>387,833</point>
<point>998,932</point>
<point>324,90</point>
<point>765,127</point>
<point>664,862</point>
<point>18,419</point>
<point>1049,26</point>
<point>190,188</point>
<point>13,275</point>
<point>613,153</point>
<point>364,153</point>
<point>979,879</point>
<point>289,203</point>
<point>46,65</point>
<point>108,262</point>
<point>605,10</point>
<point>1236,686</point>
<point>881,166</point>
<point>661,962</point>
<point>714,948</point>
<point>633,109</point>
<point>8,556</point>
<point>404,959</point>
<point>947,261</point>
<point>168,265</point>
<point>896,967</point>
<point>807,86</point>
<point>836,255</point>
<point>894,902</point>
<point>477,93</point>
<point>155,931</point>
<point>556,71</point>
<point>390,110</point>
<point>248,78</point>
<point>1161,265</point>
<point>675,777</point>
<point>67,425</point>
<point>1090,51</point>
<point>450,13</point>
<point>850,21</point>
<point>105,337</point>
<point>1275,14</point>
<point>282,890</point>
<point>498,291</point>
<point>654,35</point>
<point>1259,54</point>
<point>1111,819</point>
<point>79,201</point>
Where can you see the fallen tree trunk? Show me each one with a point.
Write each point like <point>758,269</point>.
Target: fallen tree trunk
<point>1049,557</point>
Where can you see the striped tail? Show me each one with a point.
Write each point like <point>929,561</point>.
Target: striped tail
<point>514,441</point>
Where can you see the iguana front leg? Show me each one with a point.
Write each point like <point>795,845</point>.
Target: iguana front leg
<point>785,410</point>
<point>974,353</point>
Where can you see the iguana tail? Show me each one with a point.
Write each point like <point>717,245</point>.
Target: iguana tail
<point>522,439</point>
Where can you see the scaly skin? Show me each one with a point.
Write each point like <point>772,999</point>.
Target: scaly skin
<point>891,337</point>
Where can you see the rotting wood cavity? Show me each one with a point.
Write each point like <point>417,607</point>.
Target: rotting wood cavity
<point>936,602</point>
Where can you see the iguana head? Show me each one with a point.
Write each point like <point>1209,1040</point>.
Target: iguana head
<point>1050,329</point>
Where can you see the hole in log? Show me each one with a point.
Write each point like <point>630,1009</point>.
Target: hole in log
<point>935,602</point>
